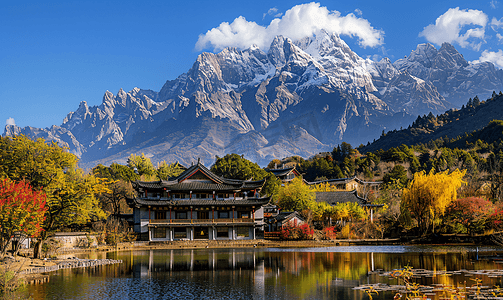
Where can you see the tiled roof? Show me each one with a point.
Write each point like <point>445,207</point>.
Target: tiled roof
<point>214,182</point>
<point>281,172</point>
<point>287,215</point>
<point>333,198</point>
<point>199,202</point>
<point>344,180</point>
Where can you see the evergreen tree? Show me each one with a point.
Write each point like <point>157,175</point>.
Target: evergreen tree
<point>476,101</point>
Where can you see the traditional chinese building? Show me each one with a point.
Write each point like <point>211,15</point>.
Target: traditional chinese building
<point>197,204</point>
<point>285,174</point>
<point>349,184</point>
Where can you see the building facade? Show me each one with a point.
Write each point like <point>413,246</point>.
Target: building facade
<point>285,174</point>
<point>197,205</point>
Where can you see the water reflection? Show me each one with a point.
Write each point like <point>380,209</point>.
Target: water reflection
<point>307,273</point>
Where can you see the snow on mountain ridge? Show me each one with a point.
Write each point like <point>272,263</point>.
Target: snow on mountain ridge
<point>306,95</point>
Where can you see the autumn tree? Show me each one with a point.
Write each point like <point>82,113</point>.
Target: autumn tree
<point>70,194</point>
<point>117,179</point>
<point>468,215</point>
<point>428,195</point>
<point>273,164</point>
<point>22,212</point>
<point>324,187</point>
<point>113,197</point>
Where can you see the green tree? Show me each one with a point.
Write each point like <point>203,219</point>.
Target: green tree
<point>142,166</point>
<point>397,175</point>
<point>271,186</point>
<point>296,196</point>
<point>234,166</point>
<point>165,170</point>
<point>115,172</point>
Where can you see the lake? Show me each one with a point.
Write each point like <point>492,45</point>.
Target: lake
<point>266,273</point>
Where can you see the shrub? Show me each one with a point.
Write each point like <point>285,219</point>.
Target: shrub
<point>296,232</point>
<point>329,233</point>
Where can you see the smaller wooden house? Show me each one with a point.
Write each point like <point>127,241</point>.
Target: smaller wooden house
<point>349,184</point>
<point>284,218</point>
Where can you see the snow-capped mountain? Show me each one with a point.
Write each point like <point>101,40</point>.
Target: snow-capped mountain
<point>454,78</point>
<point>298,98</point>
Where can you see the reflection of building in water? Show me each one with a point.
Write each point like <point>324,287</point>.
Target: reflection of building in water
<point>195,260</point>
<point>197,204</point>
<point>262,273</point>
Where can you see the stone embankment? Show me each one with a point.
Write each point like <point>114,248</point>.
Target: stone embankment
<point>69,264</point>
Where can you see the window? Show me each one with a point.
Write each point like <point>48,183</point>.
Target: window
<point>160,233</point>
<point>181,215</point>
<point>223,215</point>
<point>203,215</point>
<point>180,232</point>
<point>243,231</point>
<point>222,232</point>
<point>160,215</point>
<point>243,214</point>
<point>201,233</point>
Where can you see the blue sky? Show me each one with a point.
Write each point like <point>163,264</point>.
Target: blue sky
<point>54,55</point>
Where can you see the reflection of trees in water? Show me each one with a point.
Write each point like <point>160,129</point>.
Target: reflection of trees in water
<point>306,274</point>
<point>275,275</point>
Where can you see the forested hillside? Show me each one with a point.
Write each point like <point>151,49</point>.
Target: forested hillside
<point>405,152</point>
<point>475,115</point>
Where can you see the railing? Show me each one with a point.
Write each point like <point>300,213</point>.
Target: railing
<point>176,198</point>
<point>200,221</point>
<point>272,235</point>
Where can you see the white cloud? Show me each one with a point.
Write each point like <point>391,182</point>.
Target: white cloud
<point>298,22</point>
<point>495,23</point>
<point>10,121</point>
<point>359,12</point>
<point>495,57</point>
<point>270,12</point>
<point>449,27</point>
<point>494,4</point>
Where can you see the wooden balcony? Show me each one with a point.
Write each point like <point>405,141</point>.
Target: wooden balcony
<point>201,221</point>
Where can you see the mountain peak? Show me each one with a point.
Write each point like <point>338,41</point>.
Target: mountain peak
<point>299,98</point>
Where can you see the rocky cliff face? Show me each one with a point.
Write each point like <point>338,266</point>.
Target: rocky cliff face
<point>454,78</point>
<point>300,98</point>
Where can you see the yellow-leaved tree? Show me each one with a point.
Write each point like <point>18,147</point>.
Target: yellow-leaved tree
<point>427,196</point>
